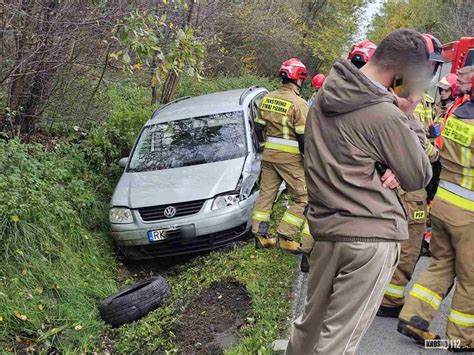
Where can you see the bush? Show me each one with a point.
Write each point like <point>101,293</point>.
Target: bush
<point>54,270</point>
<point>57,256</point>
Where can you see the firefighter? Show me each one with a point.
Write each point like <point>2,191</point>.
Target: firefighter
<point>452,243</point>
<point>415,202</point>
<point>280,123</point>
<point>361,52</point>
<point>317,81</point>
<point>448,89</point>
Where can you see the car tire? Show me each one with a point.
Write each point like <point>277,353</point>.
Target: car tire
<point>134,302</point>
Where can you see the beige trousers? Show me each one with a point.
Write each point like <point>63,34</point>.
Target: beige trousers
<point>346,283</point>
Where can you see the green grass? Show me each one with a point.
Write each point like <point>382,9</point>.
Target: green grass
<point>57,256</point>
<point>268,276</point>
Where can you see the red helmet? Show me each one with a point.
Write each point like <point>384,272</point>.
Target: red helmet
<point>434,48</point>
<point>293,69</point>
<point>449,82</point>
<point>361,52</point>
<point>318,81</point>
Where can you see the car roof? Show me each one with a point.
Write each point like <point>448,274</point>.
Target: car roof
<point>224,101</point>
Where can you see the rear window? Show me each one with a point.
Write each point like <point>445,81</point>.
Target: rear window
<point>191,141</point>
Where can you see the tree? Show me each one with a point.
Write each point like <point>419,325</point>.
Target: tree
<point>446,19</point>
<point>42,41</point>
<point>153,42</point>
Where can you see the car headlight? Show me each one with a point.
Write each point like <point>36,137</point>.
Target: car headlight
<point>120,215</point>
<point>225,201</point>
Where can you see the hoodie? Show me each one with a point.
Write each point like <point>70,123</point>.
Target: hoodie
<point>353,125</point>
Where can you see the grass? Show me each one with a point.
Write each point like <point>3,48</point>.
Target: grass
<point>268,276</point>
<point>57,256</point>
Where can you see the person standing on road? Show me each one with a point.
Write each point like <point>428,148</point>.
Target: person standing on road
<point>359,55</point>
<point>416,202</point>
<point>281,123</point>
<point>358,221</point>
<point>452,243</point>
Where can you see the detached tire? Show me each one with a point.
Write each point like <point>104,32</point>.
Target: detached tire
<point>134,302</point>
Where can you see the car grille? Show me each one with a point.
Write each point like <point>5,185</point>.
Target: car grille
<point>176,245</point>
<point>155,213</point>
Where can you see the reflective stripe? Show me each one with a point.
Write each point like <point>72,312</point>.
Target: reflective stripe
<point>461,318</point>
<point>282,141</point>
<point>292,219</point>
<point>429,148</point>
<point>284,129</point>
<point>284,145</point>
<point>306,229</point>
<point>261,216</point>
<point>395,290</point>
<point>426,295</point>
<point>260,121</point>
<point>467,171</point>
<point>456,189</point>
<point>459,201</point>
<point>299,129</point>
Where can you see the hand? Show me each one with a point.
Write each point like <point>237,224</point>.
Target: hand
<point>390,180</point>
<point>406,105</point>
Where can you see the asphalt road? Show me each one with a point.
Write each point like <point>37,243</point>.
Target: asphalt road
<point>382,336</point>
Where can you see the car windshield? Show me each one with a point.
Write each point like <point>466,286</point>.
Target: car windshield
<point>190,141</point>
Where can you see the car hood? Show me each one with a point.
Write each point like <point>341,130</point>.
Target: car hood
<point>198,182</point>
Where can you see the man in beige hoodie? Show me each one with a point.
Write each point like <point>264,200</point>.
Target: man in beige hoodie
<point>358,221</point>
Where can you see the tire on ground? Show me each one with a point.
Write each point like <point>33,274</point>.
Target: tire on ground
<point>134,302</point>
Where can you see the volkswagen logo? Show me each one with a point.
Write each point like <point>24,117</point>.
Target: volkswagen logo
<point>170,212</point>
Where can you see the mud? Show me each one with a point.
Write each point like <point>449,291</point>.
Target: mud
<point>212,321</point>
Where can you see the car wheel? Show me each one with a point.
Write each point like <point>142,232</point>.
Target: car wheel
<point>134,302</point>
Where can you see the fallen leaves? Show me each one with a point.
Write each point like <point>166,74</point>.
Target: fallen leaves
<point>20,316</point>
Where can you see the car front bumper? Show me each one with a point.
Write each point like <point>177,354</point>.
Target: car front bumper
<point>206,230</point>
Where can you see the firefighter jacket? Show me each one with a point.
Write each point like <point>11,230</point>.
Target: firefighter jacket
<point>457,158</point>
<point>283,113</point>
<point>424,112</point>
<point>355,124</point>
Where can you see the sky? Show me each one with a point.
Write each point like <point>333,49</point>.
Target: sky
<point>371,9</point>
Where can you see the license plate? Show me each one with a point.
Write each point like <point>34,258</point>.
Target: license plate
<point>156,235</point>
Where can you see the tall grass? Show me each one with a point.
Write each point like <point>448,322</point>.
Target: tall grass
<point>57,257</point>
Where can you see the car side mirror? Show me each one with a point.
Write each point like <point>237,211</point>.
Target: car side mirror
<point>123,162</point>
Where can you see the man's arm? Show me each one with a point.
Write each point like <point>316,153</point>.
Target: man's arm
<point>400,149</point>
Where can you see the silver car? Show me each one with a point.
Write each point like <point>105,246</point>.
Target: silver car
<point>189,184</point>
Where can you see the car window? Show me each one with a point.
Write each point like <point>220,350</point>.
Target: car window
<point>191,141</point>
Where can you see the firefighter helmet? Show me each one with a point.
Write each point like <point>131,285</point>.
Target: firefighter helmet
<point>361,52</point>
<point>318,81</point>
<point>435,48</point>
<point>449,82</point>
<point>293,69</point>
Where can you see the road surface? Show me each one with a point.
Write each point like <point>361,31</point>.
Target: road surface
<point>382,336</point>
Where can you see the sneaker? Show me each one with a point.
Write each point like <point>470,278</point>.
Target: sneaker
<point>389,312</point>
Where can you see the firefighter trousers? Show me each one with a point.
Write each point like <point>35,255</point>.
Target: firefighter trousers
<point>346,283</point>
<point>272,175</point>
<point>416,208</point>
<point>452,264</point>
